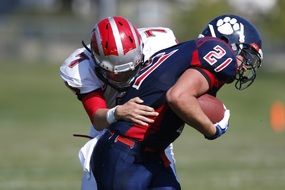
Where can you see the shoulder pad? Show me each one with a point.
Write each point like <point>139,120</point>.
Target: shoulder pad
<point>218,57</point>
<point>78,71</point>
<point>155,39</point>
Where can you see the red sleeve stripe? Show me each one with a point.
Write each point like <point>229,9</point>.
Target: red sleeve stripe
<point>94,101</point>
<point>195,59</point>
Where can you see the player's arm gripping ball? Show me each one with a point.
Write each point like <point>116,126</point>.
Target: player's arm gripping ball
<point>216,112</point>
<point>221,126</point>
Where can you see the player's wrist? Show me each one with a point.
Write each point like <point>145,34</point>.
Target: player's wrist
<point>111,115</point>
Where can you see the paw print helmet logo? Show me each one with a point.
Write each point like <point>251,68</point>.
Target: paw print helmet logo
<point>244,39</point>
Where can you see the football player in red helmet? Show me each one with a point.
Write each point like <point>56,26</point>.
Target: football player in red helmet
<point>100,72</point>
<point>117,49</point>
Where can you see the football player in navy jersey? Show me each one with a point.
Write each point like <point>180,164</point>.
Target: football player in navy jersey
<point>131,156</point>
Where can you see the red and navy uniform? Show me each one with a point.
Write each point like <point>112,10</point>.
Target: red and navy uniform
<point>210,56</point>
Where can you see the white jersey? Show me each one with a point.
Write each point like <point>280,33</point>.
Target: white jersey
<point>78,71</point>
<point>155,39</point>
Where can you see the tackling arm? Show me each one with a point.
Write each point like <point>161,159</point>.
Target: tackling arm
<point>101,117</point>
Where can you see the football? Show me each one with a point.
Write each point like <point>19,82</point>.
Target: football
<point>212,107</point>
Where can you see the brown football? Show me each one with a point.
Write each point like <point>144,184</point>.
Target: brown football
<point>212,107</point>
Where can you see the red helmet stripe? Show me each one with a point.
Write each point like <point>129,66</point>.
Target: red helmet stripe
<point>129,39</point>
<point>114,36</point>
<point>108,42</point>
<point>117,36</point>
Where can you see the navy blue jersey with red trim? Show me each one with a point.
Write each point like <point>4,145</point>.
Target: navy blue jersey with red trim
<point>210,56</point>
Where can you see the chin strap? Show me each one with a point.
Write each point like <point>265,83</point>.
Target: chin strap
<point>86,47</point>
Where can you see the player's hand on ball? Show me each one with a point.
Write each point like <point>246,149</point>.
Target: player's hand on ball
<point>224,123</point>
<point>221,126</point>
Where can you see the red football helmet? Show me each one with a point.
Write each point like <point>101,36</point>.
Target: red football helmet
<point>117,50</point>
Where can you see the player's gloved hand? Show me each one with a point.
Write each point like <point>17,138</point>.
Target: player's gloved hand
<point>221,126</point>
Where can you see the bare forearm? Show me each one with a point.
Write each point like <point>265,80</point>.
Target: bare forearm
<point>189,110</point>
<point>99,120</point>
<point>133,111</point>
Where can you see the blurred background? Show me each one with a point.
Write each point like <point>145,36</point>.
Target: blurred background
<point>38,114</point>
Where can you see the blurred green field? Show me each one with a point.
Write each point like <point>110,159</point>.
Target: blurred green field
<point>38,116</point>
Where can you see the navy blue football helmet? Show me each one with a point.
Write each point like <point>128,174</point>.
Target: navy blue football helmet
<point>245,41</point>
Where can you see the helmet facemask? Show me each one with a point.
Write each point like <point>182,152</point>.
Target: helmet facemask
<point>119,80</point>
<point>249,60</point>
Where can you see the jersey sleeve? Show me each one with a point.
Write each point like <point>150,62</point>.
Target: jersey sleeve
<point>78,72</point>
<point>155,39</point>
<point>217,57</point>
<point>93,101</point>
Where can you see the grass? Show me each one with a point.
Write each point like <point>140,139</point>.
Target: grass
<point>38,116</point>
